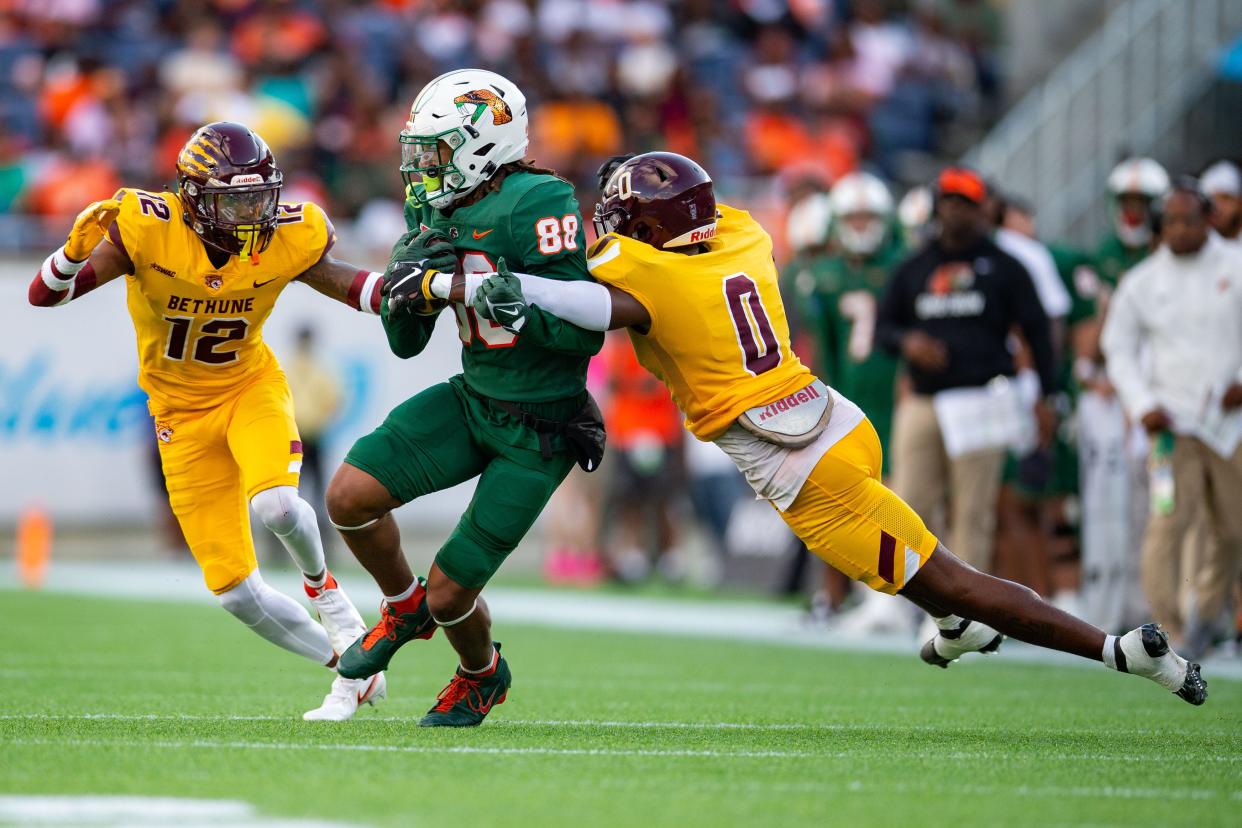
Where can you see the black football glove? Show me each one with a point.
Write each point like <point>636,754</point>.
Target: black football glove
<point>607,168</point>
<point>500,299</point>
<point>408,288</point>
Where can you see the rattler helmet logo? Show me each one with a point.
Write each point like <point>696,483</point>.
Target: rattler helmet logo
<point>482,100</point>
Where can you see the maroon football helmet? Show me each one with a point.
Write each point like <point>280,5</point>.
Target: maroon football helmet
<point>660,198</point>
<point>229,185</point>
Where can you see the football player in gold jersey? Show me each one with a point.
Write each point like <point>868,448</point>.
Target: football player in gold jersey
<point>203,268</point>
<point>695,284</point>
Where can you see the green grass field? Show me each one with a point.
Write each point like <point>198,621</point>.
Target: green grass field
<point>142,698</point>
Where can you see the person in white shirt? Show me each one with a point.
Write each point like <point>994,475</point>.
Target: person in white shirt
<point>1174,345</point>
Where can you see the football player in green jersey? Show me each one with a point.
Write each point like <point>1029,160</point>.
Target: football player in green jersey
<point>837,293</point>
<point>1112,460</point>
<point>1133,186</point>
<point>516,417</point>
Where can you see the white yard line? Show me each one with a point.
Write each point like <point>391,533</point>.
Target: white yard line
<point>888,750</point>
<point>805,727</point>
<point>131,811</point>
<point>750,621</point>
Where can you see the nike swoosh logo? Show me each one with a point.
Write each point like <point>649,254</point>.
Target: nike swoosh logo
<point>259,284</point>
<point>486,708</point>
<point>477,235</point>
<point>362,697</point>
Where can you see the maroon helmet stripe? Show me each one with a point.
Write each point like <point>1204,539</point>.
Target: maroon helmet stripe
<point>888,546</point>
<point>295,446</point>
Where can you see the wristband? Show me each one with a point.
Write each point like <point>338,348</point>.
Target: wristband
<point>58,271</point>
<point>364,293</point>
<point>65,265</point>
<point>441,285</point>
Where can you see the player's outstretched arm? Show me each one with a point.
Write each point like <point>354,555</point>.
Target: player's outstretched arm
<point>589,305</point>
<point>356,287</point>
<point>84,262</point>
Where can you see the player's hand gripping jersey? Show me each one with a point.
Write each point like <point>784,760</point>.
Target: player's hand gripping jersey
<point>199,327</point>
<point>532,221</point>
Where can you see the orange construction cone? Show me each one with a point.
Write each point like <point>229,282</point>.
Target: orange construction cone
<point>34,546</point>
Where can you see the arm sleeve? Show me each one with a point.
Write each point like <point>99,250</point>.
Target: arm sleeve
<point>585,304</point>
<point>1121,341</point>
<point>1029,312</point>
<point>408,334</point>
<point>555,334</point>
<point>892,322</point>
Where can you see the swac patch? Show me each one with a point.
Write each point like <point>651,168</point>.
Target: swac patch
<point>484,99</point>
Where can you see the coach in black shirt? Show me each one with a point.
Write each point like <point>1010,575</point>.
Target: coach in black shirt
<point>948,312</point>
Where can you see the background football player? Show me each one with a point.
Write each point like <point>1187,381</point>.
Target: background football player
<point>472,202</point>
<point>836,292</point>
<point>203,268</point>
<point>699,296</point>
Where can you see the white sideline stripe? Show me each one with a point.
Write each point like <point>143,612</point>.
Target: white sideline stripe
<point>736,621</point>
<point>130,811</point>
<point>541,751</point>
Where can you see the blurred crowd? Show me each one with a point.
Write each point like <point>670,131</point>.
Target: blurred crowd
<point>96,93</point>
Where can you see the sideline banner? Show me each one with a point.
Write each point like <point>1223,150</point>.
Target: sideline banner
<point>75,435</point>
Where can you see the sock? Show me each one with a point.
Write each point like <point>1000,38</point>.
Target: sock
<point>278,618</point>
<point>1112,656</point>
<point>409,599</point>
<point>292,520</point>
<point>316,583</point>
<point>485,671</point>
<point>951,624</point>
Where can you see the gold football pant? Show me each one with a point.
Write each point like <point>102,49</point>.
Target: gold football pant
<point>216,459</point>
<point>846,516</point>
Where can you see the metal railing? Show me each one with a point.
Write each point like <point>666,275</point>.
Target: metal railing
<point>1121,90</point>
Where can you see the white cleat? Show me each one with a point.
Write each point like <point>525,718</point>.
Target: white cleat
<point>340,618</point>
<point>346,696</point>
<point>947,646</point>
<point>1145,652</point>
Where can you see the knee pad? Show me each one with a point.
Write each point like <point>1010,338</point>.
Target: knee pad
<point>278,508</point>
<point>243,601</point>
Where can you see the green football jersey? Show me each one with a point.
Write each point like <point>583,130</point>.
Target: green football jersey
<point>532,222</point>
<point>1113,259</point>
<point>836,299</point>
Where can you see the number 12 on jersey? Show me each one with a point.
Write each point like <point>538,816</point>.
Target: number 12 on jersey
<point>760,349</point>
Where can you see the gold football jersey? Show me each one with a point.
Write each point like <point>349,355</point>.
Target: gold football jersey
<point>199,327</point>
<point>719,338</point>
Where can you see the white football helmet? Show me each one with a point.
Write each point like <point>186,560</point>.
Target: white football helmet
<point>862,209</point>
<point>1141,177</point>
<point>806,226</point>
<point>915,214</point>
<point>462,127</point>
